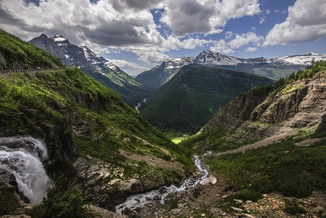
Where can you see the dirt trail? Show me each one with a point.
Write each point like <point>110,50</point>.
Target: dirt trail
<point>261,143</point>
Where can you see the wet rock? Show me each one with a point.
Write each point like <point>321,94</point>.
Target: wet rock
<point>210,180</point>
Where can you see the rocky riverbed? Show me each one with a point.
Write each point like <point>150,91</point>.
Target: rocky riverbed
<point>218,200</point>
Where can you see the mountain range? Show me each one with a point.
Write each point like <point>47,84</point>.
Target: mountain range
<point>273,68</point>
<point>94,65</point>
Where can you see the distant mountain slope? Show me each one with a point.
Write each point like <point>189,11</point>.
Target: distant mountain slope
<point>17,54</point>
<point>194,94</point>
<point>94,65</point>
<point>159,75</point>
<point>274,68</point>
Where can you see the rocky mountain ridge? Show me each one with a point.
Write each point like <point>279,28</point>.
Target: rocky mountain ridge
<point>273,68</point>
<point>94,65</point>
<point>159,75</point>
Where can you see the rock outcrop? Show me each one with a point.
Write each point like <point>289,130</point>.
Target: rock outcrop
<point>297,105</point>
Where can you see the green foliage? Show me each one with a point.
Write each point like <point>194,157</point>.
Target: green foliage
<point>61,202</point>
<point>311,70</point>
<point>8,203</point>
<point>281,167</point>
<point>20,54</point>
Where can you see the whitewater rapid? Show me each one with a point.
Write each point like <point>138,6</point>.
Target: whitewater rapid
<point>23,156</point>
<point>140,200</point>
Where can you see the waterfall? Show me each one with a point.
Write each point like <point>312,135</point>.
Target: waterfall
<point>23,156</point>
<point>140,200</point>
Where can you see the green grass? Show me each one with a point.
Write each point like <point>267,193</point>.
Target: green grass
<point>281,167</point>
<point>176,137</point>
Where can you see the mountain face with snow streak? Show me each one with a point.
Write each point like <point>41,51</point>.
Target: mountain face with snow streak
<point>159,75</point>
<point>95,66</point>
<point>304,59</point>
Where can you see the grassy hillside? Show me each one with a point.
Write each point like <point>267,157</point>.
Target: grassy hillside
<point>131,91</point>
<point>194,94</point>
<point>15,53</point>
<point>97,119</point>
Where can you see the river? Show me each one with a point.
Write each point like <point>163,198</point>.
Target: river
<point>137,201</point>
<point>23,157</point>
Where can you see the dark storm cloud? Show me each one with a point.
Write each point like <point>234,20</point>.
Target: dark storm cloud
<point>8,18</point>
<point>190,17</point>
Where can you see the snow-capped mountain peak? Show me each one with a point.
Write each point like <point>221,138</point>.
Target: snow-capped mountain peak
<point>177,63</point>
<point>208,57</point>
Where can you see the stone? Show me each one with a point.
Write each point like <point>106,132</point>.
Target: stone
<point>238,201</point>
<point>319,209</point>
<point>237,209</point>
<point>210,180</point>
<point>176,211</point>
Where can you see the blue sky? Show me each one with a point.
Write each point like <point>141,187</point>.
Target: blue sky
<point>137,35</point>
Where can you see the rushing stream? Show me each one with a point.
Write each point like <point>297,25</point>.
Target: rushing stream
<point>137,107</point>
<point>23,156</point>
<point>140,200</point>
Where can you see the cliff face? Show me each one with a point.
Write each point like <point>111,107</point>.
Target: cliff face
<point>300,104</point>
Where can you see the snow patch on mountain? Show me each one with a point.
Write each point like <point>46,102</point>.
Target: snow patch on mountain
<point>208,57</point>
<point>304,59</point>
<point>177,63</point>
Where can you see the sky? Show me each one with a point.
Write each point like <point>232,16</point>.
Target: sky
<point>137,35</point>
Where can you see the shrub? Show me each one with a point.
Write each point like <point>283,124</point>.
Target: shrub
<point>61,202</point>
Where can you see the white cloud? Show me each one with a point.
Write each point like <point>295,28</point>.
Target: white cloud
<point>130,67</point>
<point>200,16</point>
<point>251,49</point>
<point>189,43</point>
<point>228,34</point>
<point>245,39</point>
<point>305,23</point>
<point>239,41</point>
